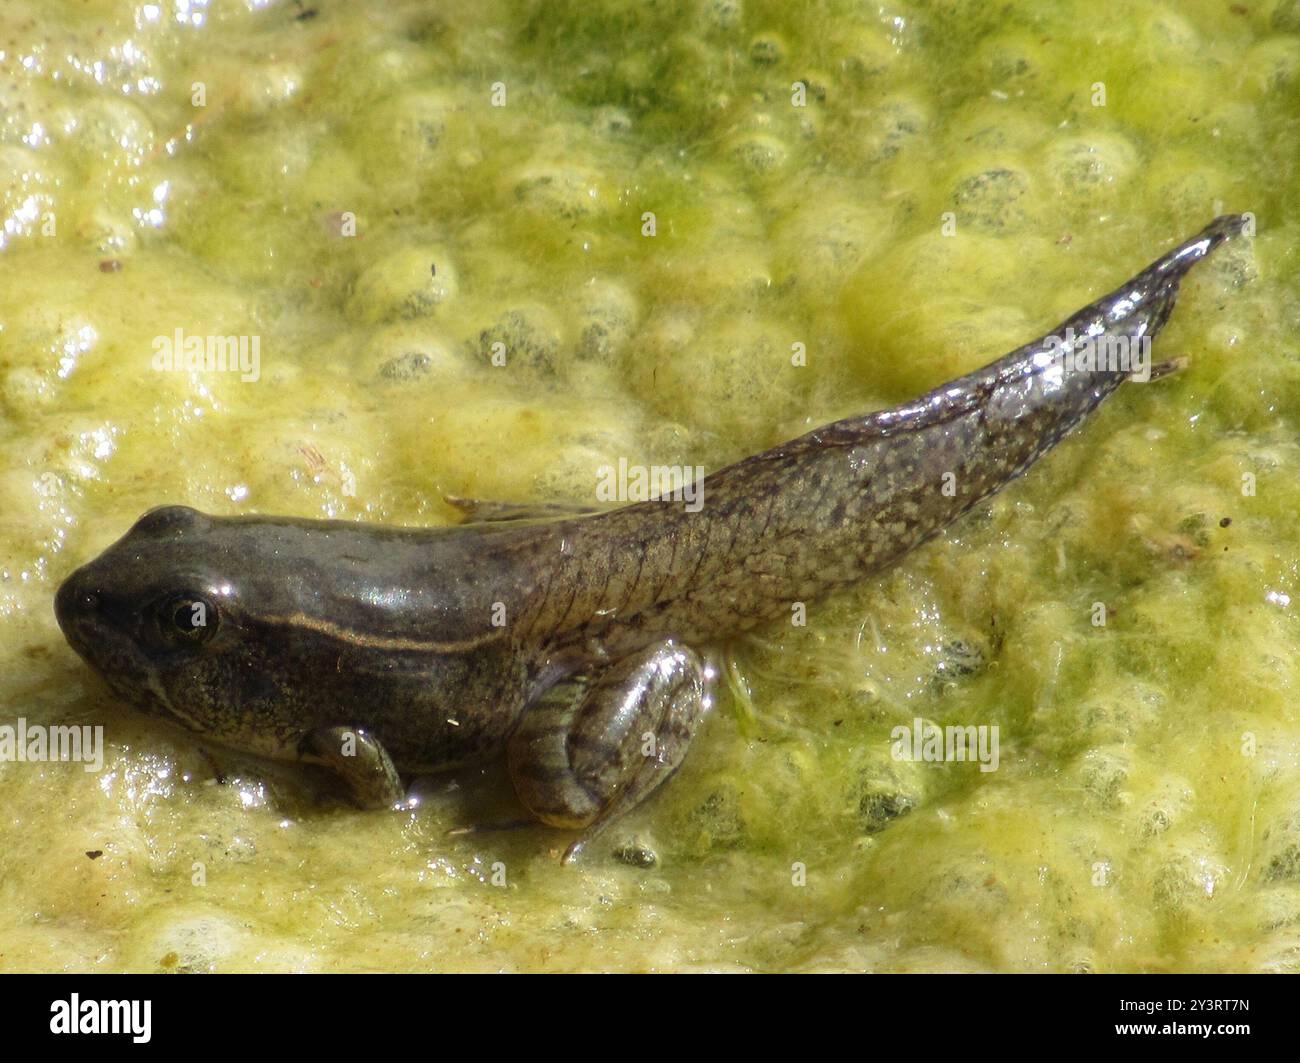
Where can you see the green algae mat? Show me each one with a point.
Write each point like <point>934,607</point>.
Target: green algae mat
<point>651,206</point>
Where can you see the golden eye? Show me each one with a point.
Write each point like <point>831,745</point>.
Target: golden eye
<point>187,618</point>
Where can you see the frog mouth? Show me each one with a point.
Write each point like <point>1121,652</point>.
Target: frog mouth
<point>102,638</point>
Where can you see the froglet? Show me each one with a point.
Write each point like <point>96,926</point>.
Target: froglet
<point>567,642</point>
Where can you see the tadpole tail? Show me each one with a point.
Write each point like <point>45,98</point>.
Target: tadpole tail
<point>1155,289</point>
<point>848,498</point>
<point>1182,258</point>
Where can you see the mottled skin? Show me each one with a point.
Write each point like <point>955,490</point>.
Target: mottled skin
<point>561,640</point>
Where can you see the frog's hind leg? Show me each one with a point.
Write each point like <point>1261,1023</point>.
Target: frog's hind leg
<point>591,750</point>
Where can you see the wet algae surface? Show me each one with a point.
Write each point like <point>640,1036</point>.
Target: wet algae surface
<point>648,207</point>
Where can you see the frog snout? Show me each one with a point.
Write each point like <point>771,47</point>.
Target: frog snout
<point>77,602</point>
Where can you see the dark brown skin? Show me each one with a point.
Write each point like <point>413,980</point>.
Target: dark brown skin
<point>562,640</point>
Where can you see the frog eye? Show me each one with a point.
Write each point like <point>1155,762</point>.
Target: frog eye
<point>187,619</point>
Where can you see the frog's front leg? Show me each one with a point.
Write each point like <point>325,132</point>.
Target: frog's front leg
<point>590,751</point>
<point>358,758</point>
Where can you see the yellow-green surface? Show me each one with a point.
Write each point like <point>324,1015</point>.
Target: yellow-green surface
<point>1146,811</point>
